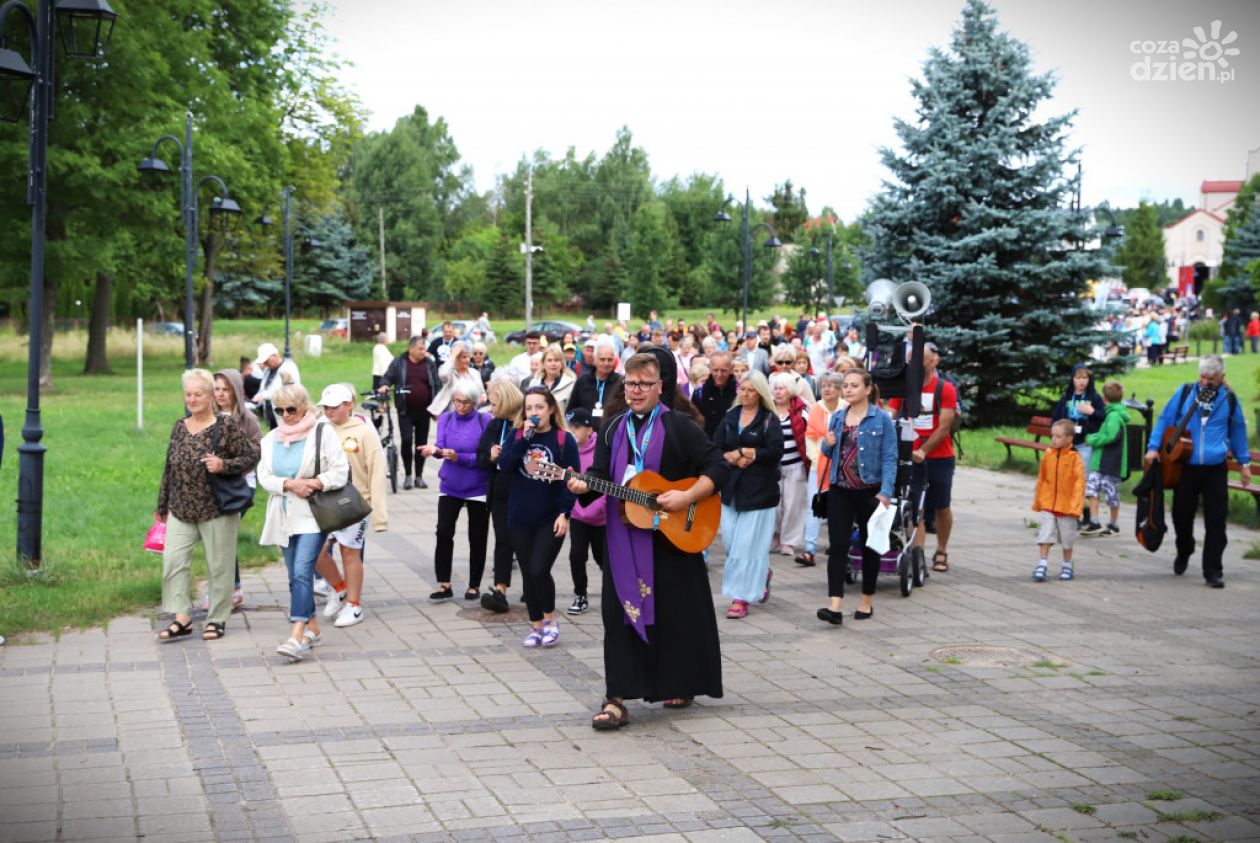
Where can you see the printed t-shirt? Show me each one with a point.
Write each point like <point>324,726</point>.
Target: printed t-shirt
<point>925,423</point>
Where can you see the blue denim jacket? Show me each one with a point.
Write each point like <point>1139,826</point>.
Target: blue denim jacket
<point>877,449</point>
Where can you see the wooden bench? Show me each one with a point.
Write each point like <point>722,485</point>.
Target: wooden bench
<point>1236,484</point>
<point>1039,426</point>
<point>1175,354</point>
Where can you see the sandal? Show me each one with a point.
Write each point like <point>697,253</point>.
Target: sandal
<point>175,630</point>
<point>678,702</point>
<point>213,631</point>
<point>612,715</point>
<point>805,559</point>
<point>940,561</point>
<point>738,610</point>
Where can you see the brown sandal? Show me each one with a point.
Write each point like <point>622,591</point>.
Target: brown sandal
<point>940,561</point>
<point>604,720</point>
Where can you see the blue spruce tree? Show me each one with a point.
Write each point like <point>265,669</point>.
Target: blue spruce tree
<point>979,209</point>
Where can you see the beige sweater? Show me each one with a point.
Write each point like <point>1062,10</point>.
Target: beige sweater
<point>362,447</point>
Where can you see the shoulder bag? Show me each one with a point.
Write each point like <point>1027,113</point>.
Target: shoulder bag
<point>231,492</point>
<point>336,509</point>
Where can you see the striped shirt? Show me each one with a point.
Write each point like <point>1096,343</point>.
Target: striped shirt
<point>791,456</point>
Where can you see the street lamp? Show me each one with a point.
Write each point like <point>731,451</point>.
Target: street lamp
<point>1114,231</point>
<point>830,274</point>
<point>309,243</point>
<point>17,80</point>
<point>224,211</point>
<point>745,241</point>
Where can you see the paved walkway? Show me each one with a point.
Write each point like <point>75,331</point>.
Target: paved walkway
<point>430,723</point>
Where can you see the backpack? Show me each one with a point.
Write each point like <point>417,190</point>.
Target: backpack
<point>955,427</point>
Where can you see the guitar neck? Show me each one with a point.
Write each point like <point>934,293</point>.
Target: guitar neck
<point>616,490</point>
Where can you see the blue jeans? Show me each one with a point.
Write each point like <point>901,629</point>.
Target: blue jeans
<point>299,559</point>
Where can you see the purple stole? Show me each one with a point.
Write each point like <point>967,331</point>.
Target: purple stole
<point>629,548</point>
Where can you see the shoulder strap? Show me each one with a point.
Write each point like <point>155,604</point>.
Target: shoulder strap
<point>936,399</point>
<point>319,430</point>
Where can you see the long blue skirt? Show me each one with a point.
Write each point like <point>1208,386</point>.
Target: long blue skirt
<point>746,536</point>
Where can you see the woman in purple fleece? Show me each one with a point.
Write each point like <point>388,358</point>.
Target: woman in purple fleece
<point>463,484</point>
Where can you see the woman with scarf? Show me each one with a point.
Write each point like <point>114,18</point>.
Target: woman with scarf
<point>286,469</point>
<point>660,633</point>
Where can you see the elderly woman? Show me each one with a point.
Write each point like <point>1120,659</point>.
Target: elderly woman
<point>751,441</point>
<point>458,368</point>
<point>791,413</point>
<point>505,406</point>
<point>463,485</point>
<point>483,364</point>
<point>286,469</point>
<point>815,431</point>
<point>203,444</point>
<point>555,376</point>
<point>229,398</point>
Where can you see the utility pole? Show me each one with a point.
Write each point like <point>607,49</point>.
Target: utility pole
<point>384,282</point>
<point>529,248</point>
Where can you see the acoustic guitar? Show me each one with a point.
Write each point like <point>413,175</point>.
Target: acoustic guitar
<point>1175,450</point>
<point>691,530</point>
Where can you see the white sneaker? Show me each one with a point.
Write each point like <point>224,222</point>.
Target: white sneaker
<point>312,639</point>
<point>349,616</point>
<point>293,650</point>
<point>322,586</point>
<point>336,600</point>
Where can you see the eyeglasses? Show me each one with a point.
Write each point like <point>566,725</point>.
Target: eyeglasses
<point>640,386</point>
<point>287,411</point>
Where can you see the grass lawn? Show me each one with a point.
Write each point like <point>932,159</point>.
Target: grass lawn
<point>102,473</point>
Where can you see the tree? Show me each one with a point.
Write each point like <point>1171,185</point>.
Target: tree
<point>790,211</point>
<point>1141,253</point>
<point>724,269</point>
<point>1244,204</point>
<point>653,258</point>
<point>978,209</point>
<point>335,271</point>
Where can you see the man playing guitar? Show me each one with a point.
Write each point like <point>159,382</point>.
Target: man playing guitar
<point>1211,416</point>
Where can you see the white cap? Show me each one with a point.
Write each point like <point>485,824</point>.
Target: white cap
<point>266,350</point>
<point>335,395</point>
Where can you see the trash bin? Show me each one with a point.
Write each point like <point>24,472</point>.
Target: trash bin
<point>314,345</point>
<point>1137,446</point>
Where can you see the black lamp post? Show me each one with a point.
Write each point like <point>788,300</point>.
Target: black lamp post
<point>745,241</point>
<point>831,300</point>
<point>308,243</point>
<point>1115,231</point>
<point>224,211</point>
<point>86,26</point>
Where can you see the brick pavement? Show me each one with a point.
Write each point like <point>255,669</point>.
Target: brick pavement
<point>425,723</point>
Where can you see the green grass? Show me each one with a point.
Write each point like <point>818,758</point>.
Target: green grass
<point>1163,795</point>
<point>1048,664</point>
<point>951,660</point>
<point>1087,810</point>
<point>1196,815</point>
<point>1183,838</point>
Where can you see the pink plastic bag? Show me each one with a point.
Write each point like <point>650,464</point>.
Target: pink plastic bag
<point>155,540</point>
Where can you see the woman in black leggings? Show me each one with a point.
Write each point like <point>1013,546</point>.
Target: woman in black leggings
<point>538,512</point>
<point>505,407</point>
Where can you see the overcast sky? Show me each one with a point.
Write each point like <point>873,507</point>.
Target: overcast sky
<point>806,90</point>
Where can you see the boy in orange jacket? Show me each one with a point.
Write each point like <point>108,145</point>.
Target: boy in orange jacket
<point>1059,498</point>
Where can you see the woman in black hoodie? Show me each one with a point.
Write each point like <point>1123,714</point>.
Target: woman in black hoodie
<point>1083,406</point>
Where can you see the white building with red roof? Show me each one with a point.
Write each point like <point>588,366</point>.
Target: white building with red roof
<point>1194,244</point>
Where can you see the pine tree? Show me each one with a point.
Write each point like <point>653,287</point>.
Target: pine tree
<point>979,210</point>
<point>1242,245</point>
<point>1141,253</point>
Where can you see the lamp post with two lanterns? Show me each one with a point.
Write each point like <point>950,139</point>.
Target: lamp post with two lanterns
<point>85,27</point>
<point>223,210</point>
<point>745,242</point>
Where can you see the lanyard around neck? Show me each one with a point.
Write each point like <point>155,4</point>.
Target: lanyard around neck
<point>647,437</point>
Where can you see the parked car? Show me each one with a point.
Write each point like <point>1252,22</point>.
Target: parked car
<point>336,327</point>
<point>174,329</point>
<point>462,327</point>
<point>553,329</point>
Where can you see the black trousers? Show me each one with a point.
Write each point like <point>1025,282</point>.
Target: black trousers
<point>537,550</point>
<point>502,538</point>
<point>581,538</point>
<point>1209,483</point>
<point>844,506</point>
<point>419,423</point>
<point>444,550</point>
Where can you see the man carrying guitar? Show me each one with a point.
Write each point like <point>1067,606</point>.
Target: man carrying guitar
<point>660,630</point>
<point>1210,415</point>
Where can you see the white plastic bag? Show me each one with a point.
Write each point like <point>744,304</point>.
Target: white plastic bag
<point>879,527</point>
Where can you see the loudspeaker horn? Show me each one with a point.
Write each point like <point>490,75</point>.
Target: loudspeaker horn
<point>879,296</point>
<point>911,300</point>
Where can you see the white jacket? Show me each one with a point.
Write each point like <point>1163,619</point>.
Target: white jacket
<point>287,513</point>
<point>449,377</point>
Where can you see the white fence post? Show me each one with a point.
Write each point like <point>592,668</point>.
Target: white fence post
<point>139,374</point>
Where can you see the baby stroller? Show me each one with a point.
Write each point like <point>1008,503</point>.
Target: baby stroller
<point>902,557</point>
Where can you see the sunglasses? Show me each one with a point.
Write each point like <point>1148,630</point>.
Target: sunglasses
<point>287,411</point>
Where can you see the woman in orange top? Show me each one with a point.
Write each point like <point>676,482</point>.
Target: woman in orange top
<point>820,465</point>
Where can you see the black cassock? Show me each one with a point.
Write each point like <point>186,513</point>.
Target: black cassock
<point>682,657</point>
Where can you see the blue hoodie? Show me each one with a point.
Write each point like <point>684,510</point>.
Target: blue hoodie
<point>1221,432</point>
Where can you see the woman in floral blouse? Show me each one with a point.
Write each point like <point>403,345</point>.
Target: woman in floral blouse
<point>187,503</point>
